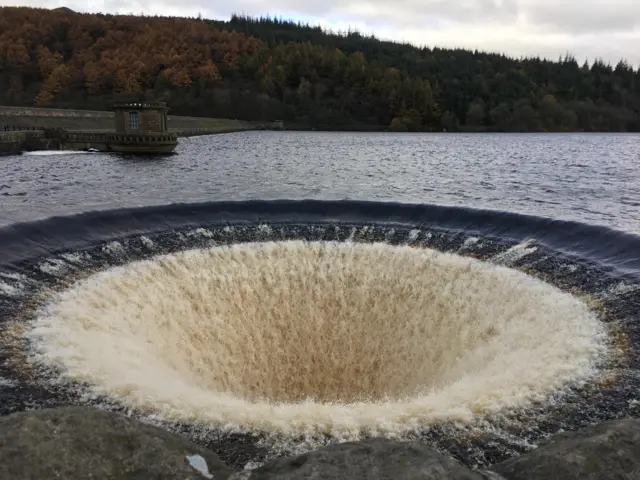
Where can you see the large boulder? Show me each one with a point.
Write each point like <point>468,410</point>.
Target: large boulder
<point>77,442</point>
<point>607,451</point>
<point>375,459</point>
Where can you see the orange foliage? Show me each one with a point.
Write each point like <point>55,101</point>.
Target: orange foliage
<point>58,79</point>
<point>17,54</point>
<point>178,76</point>
<point>115,53</point>
<point>47,60</point>
<point>209,72</point>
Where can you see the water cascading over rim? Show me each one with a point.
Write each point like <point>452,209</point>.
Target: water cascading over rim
<point>283,283</point>
<point>303,338</point>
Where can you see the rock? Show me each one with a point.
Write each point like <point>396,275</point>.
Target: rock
<point>609,450</point>
<point>375,459</point>
<point>78,442</point>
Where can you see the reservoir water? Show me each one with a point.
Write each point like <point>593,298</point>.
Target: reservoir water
<point>591,178</point>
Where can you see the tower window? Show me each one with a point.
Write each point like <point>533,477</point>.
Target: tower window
<point>133,117</point>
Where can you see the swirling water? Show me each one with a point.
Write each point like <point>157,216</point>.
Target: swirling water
<point>591,178</point>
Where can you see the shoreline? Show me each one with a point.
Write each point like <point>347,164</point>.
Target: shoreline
<point>22,141</point>
<point>24,129</point>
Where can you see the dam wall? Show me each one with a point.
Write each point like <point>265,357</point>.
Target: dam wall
<point>85,141</point>
<point>86,120</point>
<point>41,118</point>
<point>29,128</point>
<point>14,142</point>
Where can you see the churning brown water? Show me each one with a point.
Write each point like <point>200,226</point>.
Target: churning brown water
<point>320,337</point>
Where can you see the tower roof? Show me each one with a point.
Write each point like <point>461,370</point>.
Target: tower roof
<point>140,105</point>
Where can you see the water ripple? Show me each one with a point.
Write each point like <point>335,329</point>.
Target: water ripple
<point>592,178</point>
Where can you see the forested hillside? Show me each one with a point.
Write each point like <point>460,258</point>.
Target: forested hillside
<point>267,69</point>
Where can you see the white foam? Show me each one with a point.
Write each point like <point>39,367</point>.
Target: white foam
<point>264,229</point>
<point>413,235</point>
<point>40,153</point>
<point>16,285</point>
<point>54,266</point>
<point>74,257</point>
<point>572,268</point>
<point>200,232</point>
<point>147,242</point>
<point>298,338</point>
<point>352,235</point>
<point>621,288</point>
<point>470,241</point>
<point>13,276</point>
<point>515,253</point>
<point>9,290</point>
<point>114,248</point>
<point>5,382</point>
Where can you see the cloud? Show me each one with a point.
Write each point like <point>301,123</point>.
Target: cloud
<point>585,17</point>
<point>608,29</point>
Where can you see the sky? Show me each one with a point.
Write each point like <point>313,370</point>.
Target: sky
<point>588,29</point>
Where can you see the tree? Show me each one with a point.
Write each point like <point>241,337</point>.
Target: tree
<point>256,69</point>
<point>501,116</point>
<point>47,61</point>
<point>17,55</point>
<point>58,79</point>
<point>551,112</point>
<point>398,125</point>
<point>475,115</point>
<point>209,72</point>
<point>178,76</point>
<point>450,122</point>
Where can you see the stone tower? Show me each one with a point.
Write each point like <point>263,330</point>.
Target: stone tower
<point>141,117</point>
<point>141,127</point>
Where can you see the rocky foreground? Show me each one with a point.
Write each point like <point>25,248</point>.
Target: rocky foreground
<point>82,443</point>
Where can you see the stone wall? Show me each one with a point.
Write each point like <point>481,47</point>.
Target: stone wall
<point>52,113</point>
<point>91,120</point>
<point>77,442</point>
<point>17,142</point>
<point>84,141</point>
<point>149,121</point>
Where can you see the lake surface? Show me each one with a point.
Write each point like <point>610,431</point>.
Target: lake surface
<point>591,178</point>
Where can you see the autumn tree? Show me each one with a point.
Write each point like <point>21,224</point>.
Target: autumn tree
<point>268,69</point>
<point>48,61</point>
<point>17,55</point>
<point>56,80</point>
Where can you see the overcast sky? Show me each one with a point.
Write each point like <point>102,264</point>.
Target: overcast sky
<point>608,29</point>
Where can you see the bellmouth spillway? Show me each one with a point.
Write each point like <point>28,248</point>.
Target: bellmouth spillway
<point>263,328</point>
